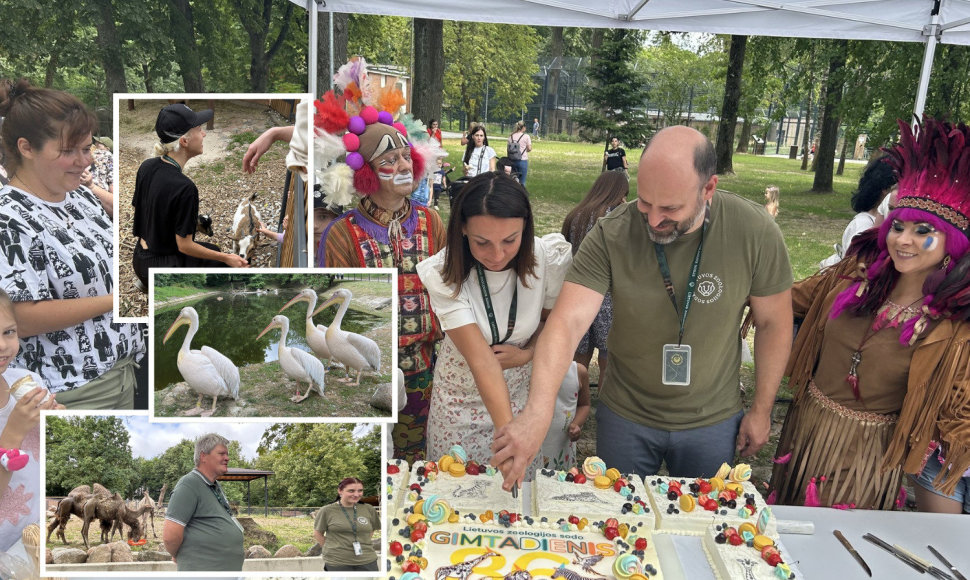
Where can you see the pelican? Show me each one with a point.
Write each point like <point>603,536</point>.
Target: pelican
<point>353,350</point>
<point>315,334</point>
<point>207,371</point>
<point>297,364</point>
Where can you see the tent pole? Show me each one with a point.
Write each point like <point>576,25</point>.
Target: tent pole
<point>312,49</point>
<point>931,31</point>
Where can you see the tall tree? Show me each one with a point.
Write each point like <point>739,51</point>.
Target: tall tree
<point>499,58</point>
<point>615,96</point>
<point>256,17</point>
<point>112,57</point>
<point>829,135</point>
<point>82,450</point>
<point>182,27</point>
<point>428,83</point>
<point>729,108</point>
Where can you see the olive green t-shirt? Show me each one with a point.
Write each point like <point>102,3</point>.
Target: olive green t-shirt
<point>744,255</point>
<point>335,523</point>
<point>212,539</point>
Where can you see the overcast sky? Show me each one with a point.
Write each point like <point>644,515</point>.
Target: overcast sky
<point>152,439</point>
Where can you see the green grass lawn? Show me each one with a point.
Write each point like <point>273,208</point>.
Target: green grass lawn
<point>561,173</point>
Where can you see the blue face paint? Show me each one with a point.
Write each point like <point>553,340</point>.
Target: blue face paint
<point>929,243</point>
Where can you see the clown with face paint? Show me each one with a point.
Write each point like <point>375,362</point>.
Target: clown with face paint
<point>386,230</point>
<point>879,365</point>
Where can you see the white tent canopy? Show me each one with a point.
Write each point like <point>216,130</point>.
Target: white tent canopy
<point>894,20</point>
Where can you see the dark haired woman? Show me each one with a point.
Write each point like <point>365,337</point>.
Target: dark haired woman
<point>344,529</point>
<point>879,365</point>
<point>608,191</point>
<point>479,157</point>
<point>59,244</point>
<point>877,180</point>
<point>434,132</point>
<point>490,288</point>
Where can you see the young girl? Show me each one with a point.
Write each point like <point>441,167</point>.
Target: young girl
<point>19,434</point>
<point>572,410</point>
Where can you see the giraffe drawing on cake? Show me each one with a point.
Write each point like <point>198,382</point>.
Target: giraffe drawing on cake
<point>747,564</point>
<point>463,570</point>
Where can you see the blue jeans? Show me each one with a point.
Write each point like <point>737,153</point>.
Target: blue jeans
<point>522,168</point>
<point>634,448</point>
<point>925,480</point>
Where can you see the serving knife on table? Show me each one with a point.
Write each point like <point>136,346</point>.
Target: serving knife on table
<point>848,546</point>
<point>909,558</point>
<point>947,563</point>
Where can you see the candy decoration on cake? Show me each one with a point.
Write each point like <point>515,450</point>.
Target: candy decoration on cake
<point>626,566</point>
<point>759,543</point>
<point>434,508</point>
<point>463,570</point>
<point>594,466</point>
<point>740,473</point>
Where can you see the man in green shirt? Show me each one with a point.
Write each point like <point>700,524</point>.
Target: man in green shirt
<point>200,531</point>
<point>681,262</point>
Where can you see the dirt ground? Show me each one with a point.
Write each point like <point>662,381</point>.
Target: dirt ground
<point>217,173</point>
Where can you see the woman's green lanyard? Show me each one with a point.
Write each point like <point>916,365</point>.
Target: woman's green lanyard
<point>353,526</point>
<point>487,299</point>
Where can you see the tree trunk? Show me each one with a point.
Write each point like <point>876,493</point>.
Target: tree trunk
<point>51,69</point>
<point>111,54</point>
<point>829,135</point>
<point>147,76</point>
<point>745,137</point>
<point>550,100</point>
<point>845,148</point>
<point>340,31</point>
<point>256,18</point>
<point>428,84</point>
<point>187,50</point>
<point>729,107</point>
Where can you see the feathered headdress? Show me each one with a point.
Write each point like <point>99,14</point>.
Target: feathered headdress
<point>933,165</point>
<point>359,125</point>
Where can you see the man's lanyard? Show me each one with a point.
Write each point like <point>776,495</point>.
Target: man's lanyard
<point>691,281</point>
<point>487,299</point>
<point>353,523</point>
<point>217,491</point>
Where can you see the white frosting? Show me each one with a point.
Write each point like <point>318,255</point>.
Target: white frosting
<point>26,385</point>
<point>396,484</point>
<point>465,494</point>
<point>730,562</point>
<point>697,521</point>
<point>539,548</point>
<point>555,499</point>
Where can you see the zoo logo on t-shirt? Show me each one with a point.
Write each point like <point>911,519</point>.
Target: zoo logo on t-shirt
<point>709,288</point>
<point>361,520</point>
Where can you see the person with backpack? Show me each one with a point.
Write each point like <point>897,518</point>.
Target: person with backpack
<point>517,150</point>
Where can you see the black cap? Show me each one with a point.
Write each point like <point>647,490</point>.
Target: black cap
<point>177,120</point>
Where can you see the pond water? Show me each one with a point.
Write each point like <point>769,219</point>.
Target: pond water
<point>231,325</point>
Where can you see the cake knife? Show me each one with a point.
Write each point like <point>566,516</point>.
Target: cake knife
<point>947,563</point>
<point>848,546</point>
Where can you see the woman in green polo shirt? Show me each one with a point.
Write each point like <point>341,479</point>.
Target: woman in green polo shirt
<point>344,529</point>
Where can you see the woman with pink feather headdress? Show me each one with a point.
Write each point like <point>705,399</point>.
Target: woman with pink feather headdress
<point>383,162</point>
<point>880,365</point>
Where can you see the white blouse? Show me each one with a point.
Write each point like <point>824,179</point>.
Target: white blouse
<point>553,256</point>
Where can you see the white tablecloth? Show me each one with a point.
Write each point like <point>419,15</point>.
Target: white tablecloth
<point>820,555</point>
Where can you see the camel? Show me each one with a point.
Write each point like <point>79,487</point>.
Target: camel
<point>73,504</point>
<point>147,500</point>
<point>113,514</point>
